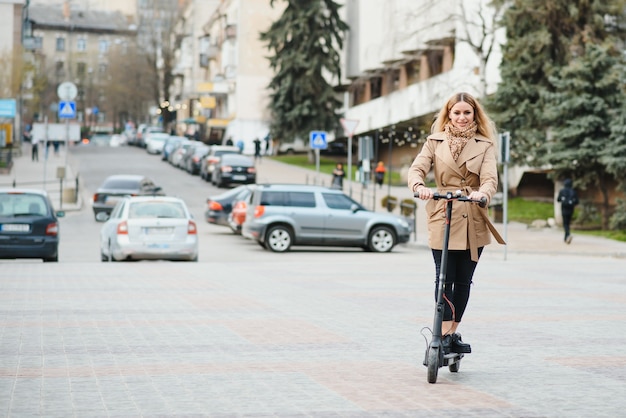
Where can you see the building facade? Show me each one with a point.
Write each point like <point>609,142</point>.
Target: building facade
<point>228,95</point>
<point>77,45</point>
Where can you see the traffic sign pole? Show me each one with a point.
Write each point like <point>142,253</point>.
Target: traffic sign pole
<point>349,126</point>
<point>317,141</point>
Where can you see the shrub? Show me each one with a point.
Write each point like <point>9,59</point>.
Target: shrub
<point>389,202</point>
<point>407,207</point>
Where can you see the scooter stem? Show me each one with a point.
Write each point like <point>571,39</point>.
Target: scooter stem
<point>443,270</point>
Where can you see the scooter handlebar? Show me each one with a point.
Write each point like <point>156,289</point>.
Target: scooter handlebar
<point>458,196</point>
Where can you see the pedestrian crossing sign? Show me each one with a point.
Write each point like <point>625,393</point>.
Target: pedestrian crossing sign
<point>318,140</point>
<point>67,110</point>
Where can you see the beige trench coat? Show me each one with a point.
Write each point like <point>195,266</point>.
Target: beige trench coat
<point>475,169</point>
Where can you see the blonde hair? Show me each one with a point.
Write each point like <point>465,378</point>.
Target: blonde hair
<point>485,125</point>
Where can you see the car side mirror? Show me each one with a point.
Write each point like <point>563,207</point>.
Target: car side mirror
<point>102,217</point>
<point>60,213</point>
<point>354,208</point>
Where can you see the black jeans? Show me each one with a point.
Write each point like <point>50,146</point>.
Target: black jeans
<point>458,281</point>
<point>567,220</point>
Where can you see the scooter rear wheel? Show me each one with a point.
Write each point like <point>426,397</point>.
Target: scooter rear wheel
<point>433,364</point>
<point>454,367</point>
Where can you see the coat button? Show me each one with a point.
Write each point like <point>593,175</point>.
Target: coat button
<point>444,184</point>
<point>465,215</point>
<point>462,181</point>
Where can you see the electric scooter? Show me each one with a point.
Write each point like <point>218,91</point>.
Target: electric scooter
<point>435,357</point>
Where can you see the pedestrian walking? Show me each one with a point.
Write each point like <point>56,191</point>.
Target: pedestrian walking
<point>461,151</point>
<point>257,148</point>
<point>569,199</point>
<point>379,173</point>
<point>34,143</point>
<point>338,176</point>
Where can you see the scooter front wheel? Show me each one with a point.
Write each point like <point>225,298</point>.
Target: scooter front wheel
<point>433,364</point>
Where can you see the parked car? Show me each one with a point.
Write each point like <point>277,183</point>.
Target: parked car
<point>142,131</point>
<point>155,141</point>
<point>170,144</point>
<point>194,157</point>
<point>115,187</point>
<point>177,157</point>
<point>213,157</point>
<point>219,207</point>
<point>29,226</point>
<point>297,146</point>
<point>234,169</point>
<point>100,139</point>
<point>149,228</point>
<point>280,216</point>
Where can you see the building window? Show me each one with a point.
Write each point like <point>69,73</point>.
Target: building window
<point>81,44</point>
<point>376,85</point>
<point>59,70</point>
<point>102,68</point>
<point>412,71</point>
<point>103,46</point>
<point>60,44</point>
<point>80,69</point>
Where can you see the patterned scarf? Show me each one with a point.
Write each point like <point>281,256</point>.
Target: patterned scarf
<point>458,138</point>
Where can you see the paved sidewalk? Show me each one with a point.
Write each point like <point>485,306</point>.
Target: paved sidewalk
<point>42,174</point>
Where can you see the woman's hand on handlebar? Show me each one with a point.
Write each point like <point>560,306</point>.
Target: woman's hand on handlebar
<point>478,196</point>
<point>423,193</point>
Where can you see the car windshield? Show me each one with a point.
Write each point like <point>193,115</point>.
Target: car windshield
<point>121,184</point>
<point>156,209</point>
<point>22,204</point>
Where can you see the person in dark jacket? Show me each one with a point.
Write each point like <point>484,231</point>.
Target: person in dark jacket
<point>569,199</point>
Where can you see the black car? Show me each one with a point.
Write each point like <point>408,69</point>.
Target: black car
<point>220,206</point>
<point>29,226</point>
<point>234,168</point>
<point>115,187</point>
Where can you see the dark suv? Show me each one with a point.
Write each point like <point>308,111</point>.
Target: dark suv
<point>279,216</point>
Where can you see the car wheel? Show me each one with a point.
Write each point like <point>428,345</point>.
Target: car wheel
<point>278,239</point>
<point>53,259</point>
<point>103,256</point>
<point>381,239</point>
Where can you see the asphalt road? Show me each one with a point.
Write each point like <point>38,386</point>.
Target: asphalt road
<point>315,332</point>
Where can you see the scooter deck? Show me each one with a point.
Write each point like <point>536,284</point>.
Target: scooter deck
<point>452,358</point>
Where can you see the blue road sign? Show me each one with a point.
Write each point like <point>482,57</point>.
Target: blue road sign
<point>67,110</point>
<point>317,139</point>
<point>7,108</point>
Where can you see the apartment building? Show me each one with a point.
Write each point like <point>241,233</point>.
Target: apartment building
<point>11,18</point>
<point>75,44</point>
<point>404,59</point>
<point>190,69</point>
<point>230,97</point>
<point>401,61</point>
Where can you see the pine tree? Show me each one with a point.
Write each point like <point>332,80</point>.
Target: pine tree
<point>542,37</point>
<point>562,88</point>
<point>305,42</point>
<point>581,112</point>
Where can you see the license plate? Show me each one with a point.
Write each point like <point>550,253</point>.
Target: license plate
<point>157,231</point>
<point>15,228</point>
<point>239,178</point>
<point>159,246</point>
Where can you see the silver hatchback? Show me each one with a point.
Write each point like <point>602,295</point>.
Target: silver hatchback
<point>279,216</point>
